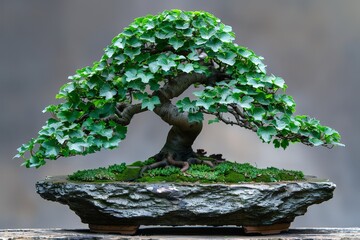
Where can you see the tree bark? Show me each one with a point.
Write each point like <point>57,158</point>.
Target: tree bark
<point>179,143</point>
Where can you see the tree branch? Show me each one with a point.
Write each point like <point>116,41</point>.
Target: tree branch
<point>126,112</point>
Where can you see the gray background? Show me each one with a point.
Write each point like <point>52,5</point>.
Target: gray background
<point>313,45</point>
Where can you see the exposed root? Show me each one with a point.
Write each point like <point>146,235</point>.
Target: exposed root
<point>162,163</point>
<point>184,165</point>
<point>171,161</point>
<point>198,161</point>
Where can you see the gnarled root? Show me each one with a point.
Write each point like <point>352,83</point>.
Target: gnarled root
<point>170,161</point>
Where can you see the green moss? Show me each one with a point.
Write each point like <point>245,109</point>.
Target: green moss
<point>143,163</point>
<point>130,174</point>
<point>172,178</point>
<point>164,172</point>
<point>225,172</point>
<point>100,174</point>
<point>137,164</point>
<point>234,177</point>
<point>92,175</point>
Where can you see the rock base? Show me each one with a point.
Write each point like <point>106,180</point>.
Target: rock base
<point>264,208</point>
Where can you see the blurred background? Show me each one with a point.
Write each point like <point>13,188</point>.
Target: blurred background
<point>313,45</point>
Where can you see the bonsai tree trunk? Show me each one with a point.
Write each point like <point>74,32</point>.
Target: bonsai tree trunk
<point>179,142</point>
<point>183,132</point>
<point>177,150</point>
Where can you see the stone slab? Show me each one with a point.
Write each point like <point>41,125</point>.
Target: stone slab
<point>182,233</point>
<point>119,203</point>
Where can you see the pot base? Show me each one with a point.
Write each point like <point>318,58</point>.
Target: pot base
<point>267,230</point>
<point>122,229</point>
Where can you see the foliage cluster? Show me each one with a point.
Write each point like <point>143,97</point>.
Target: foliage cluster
<point>145,57</point>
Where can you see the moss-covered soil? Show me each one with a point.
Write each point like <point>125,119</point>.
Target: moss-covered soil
<point>224,172</point>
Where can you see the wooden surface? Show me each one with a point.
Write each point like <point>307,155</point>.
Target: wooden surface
<point>182,233</point>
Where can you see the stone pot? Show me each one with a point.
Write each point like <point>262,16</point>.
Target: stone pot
<point>121,207</point>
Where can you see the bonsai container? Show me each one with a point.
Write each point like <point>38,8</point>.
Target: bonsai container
<point>121,207</point>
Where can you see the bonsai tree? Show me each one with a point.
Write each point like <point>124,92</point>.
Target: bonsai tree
<point>151,63</point>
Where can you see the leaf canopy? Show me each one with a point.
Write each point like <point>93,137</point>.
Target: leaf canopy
<point>151,52</point>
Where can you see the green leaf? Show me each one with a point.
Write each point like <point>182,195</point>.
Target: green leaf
<point>34,161</point>
<point>148,36</point>
<point>186,67</point>
<point>227,28</point>
<point>165,33</point>
<point>150,103</point>
<point>225,37</point>
<point>112,143</point>
<point>316,142</point>
<point>246,101</point>
<point>258,113</point>
<point>214,43</point>
<point>150,25</point>
<point>186,105</point>
<point>289,101</point>
<point>145,77</point>
<point>132,52</point>
<point>206,33</point>
<point>107,92</point>
<point>134,42</point>
<point>77,146</point>
<point>50,108</point>
<point>245,52</point>
<point>99,66</point>
<point>266,133</point>
<point>128,32</point>
<point>280,124</point>
<point>284,143</point>
<point>195,117</point>
<point>140,95</point>
<point>255,60</point>
<point>109,52</point>
<point>154,85</point>
<point>120,43</point>
<point>293,127</point>
<point>61,139</point>
<point>205,103</point>
<point>106,110</point>
<point>193,56</point>
<point>279,82</point>
<point>181,24</point>
<point>154,67</point>
<point>165,63</point>
<point>176,43</point>
<point>227,58</point>
<point>131,74</point>
<point>120,59</point>
<point>67,88</point>
<point>188,32</point>
<point>276,143</point>
<point>255,82</point>
<point>106,133</point>
<point>51,148</point>
<point>68,116</point>
<point>200,41</point>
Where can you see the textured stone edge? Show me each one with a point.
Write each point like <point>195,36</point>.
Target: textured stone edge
<point>60,190</point>
<point>181,233</point>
